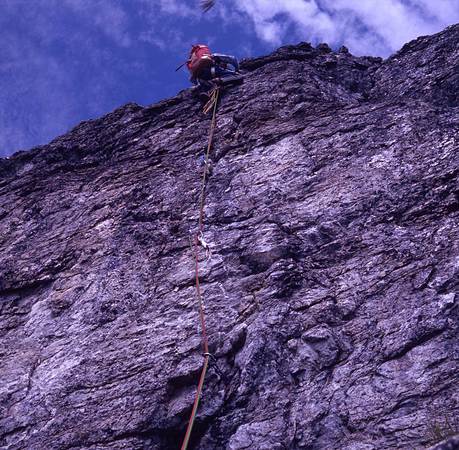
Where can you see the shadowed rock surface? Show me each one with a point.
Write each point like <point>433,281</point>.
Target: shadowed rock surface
<point>332,292</point>
<point>448,444</point>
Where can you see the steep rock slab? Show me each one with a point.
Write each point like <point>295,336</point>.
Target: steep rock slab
<point>331,295</point>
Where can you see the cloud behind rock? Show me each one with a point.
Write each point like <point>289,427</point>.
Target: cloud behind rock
<point>365,26</point>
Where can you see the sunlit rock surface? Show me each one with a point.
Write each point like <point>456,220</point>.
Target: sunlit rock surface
<point>332,291</point>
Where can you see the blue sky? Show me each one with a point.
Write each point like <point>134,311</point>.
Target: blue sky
<point>64,61</point>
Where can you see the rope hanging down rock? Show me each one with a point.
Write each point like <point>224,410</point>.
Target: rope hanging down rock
<point>211,104</point>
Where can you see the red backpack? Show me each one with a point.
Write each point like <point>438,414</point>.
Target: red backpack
<point>200,59</point>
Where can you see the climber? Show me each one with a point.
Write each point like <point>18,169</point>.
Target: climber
<point>208,70</point>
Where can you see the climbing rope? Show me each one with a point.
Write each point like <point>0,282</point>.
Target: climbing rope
<point>199,239</point>
<point>213,101</point>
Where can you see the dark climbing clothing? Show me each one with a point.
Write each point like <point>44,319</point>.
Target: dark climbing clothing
<point>223,60</point>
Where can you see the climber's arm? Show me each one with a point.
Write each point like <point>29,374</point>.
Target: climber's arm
<point>226,59</point>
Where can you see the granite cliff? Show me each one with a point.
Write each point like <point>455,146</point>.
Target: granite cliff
<point>332,292</point>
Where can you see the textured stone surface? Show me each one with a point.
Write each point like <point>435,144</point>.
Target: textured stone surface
<point>448,444</point>
<point>331,295</point>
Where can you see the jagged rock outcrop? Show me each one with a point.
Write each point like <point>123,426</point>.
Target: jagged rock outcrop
<point>332,292</point>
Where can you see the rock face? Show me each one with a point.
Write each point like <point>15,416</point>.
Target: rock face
<point>332,293</point>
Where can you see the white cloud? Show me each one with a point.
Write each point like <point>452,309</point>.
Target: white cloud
<point>157,14</point>
<point>393,22</point>
<point>175,7</point>
<point>366,26</point>
<point>107,16</point>
<point>443,11</point>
